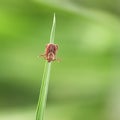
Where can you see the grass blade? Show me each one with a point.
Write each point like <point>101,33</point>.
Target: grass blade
<point>45,80</point>
<point>52,35</point>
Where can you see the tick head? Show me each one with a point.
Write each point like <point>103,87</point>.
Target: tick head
<point>50,57</point>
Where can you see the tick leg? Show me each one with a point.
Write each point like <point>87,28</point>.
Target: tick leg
<point>43,55</point>
<point>57,59</point>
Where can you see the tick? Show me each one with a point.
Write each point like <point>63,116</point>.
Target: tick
<point>50,52</point>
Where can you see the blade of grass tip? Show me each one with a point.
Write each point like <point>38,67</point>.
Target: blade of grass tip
<point>52,35</point>
<point>45,80</point>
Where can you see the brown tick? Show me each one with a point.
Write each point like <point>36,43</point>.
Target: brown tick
<point>50,52</point>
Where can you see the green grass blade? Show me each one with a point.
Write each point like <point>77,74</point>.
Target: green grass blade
<point>43,92</point>
<point>45,81</point>
<point>52,35</point>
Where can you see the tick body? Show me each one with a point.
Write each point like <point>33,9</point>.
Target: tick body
<point>50,52</point>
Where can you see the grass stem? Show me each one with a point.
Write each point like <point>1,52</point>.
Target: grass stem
<point>45,81</point>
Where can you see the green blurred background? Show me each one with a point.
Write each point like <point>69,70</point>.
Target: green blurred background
<point>85,84</point>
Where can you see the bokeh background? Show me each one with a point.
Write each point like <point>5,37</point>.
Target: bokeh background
<point>85,84</point>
